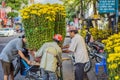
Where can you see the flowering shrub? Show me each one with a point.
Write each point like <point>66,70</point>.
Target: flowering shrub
<point>99,33</point>
<point>112,46</point>
<point>96,33</point>
<point>41,22</point>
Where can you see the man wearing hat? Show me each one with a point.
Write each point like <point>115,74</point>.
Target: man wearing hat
<point>78,47</point>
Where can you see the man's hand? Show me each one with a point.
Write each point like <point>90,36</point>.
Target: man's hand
<point>63,59</point>
<point>29,62</point>
<point>35,63</point>
<point>66,46</point>
<point>32,53</point>
<point>37,59</point>
<point>59,64</point>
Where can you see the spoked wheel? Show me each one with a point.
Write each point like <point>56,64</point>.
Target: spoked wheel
<point>98,59</point>
<point>88,66</point>
<point>29,78</point>
<point>16,68</point>
<point>33,76</point>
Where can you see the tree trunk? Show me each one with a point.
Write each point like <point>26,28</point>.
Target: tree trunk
<point>109,21</point>
<point>95,12</point>
<point>81,8</point>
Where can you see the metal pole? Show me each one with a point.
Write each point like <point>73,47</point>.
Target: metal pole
<point>116,11</point>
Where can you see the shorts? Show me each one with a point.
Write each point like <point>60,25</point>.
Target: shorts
<point>7,67</point>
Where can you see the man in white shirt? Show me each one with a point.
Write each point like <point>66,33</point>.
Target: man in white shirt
<point>78,47</point>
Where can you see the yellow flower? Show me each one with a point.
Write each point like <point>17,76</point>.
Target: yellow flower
<point>25,17</point>
<point>25,13</point>
<point>119,62</point>
<point>33,12</point>
<point>108,60</point>
<point>113,66</point>
<point>117,77</point>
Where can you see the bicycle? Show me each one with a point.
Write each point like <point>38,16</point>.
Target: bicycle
<point>30,72</point>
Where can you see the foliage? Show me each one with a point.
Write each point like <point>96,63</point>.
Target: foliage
<point>15,4</point>
<point>12,14</point>
<point>74,6</point>
<point>100,34</point>
<point>41,22</point>
<point>112,47</point>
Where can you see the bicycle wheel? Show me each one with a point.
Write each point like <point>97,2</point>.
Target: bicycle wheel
<point>16,69</point>
<point>88,66</point>
<point>29,78</point>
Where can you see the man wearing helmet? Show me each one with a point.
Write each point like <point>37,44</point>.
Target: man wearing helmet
<point>78,47</point>
<point>9,53</point>
<point>50,54</point>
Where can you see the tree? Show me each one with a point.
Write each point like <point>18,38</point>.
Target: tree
<point>12,14</point>
<point>76,6</point>
<point>15,4</point>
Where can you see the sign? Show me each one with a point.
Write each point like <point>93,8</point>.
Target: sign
<point>106,6</point>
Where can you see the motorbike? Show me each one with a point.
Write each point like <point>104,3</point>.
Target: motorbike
<point>96,50</point>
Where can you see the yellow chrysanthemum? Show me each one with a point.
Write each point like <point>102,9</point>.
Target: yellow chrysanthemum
<point>117,77</point>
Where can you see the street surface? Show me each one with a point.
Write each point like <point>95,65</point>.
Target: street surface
<point>68,69</point>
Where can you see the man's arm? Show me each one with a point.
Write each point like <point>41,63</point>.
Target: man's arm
<point>66,46</point>
<point>66,51</point>
<point>23,57</point>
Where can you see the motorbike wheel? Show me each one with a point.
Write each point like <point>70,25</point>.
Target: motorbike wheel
<point>98,59</point>
<point>88,66</point>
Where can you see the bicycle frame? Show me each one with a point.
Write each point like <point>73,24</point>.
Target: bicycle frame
<point>29,73</point>
<point>27,67</point>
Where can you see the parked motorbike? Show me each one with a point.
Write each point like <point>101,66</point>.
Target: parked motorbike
<point>96,50</point>
<point>88,64</point>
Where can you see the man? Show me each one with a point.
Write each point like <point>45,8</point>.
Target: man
<point>50,54</point>
<point>9,53</point>
<point>78,47</point>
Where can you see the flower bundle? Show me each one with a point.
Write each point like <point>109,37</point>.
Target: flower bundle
<point>41,22</point>
<point>112,46</point>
